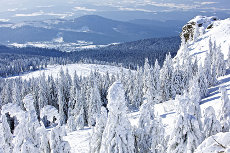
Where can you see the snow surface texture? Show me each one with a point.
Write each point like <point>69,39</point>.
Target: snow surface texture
<point>81,70</point>
<point>217,143</point>
<point>219,33</point>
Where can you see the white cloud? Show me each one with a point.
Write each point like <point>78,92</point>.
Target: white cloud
<point>207,3</point>
<point>136,9</point>
<point>31,14</point>
<point>84,9</point>
<point>4,20</point>
<point>61,15</point>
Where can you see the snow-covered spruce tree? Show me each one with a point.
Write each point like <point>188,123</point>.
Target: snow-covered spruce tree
<point>7,138</point>
<point>58,145</point>
<point>42,92</point>
<point>224,114</point>
<point>213,55</point>
<point>130,88</point>
<point>177,81</point>
<point>202,81</point>
<point>219,62</point>
<point>94,104</point>
<point>71,122</point>
<point>117,136</point>
<point>96,139</point>
<point>80,119</point>
<point>6,96</point>
<point>186,135</point>
<point>147,76</point>
<point>16,98</point>
<point>207,69</point>
<point>228,59</point>
<point>146,125</point>
<point>166,76</point>
<point>157,82</point>
<point>194,96</point>
<point>63,110</point>
<point>211,124</point>
<point>44,140</point>
<point>160,138</point>
<point>138,86</point>
<point>52,92</point>
<point>26,137</point>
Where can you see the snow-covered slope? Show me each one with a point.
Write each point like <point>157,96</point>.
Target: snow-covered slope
<point>79,140</point>
<point>81,70</point>
<point>198,31</point>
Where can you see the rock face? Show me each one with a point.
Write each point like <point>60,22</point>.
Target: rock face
<point>199,22</point>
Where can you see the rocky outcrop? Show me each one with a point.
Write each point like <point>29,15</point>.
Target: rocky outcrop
<point>197,26</point>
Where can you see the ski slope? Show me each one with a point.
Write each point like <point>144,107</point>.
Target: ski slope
<point>81,70</point>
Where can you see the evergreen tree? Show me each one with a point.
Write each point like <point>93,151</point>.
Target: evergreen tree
<point>202,82</point>
<point>58,145</point>
<point>7,138</point>
<point>63,110</point>
<point>146,126</point>
<point>96,139</point>
<point>80,120</point>
<point>94,105</point>
<point>16,98</point>
<point>211,124</point>
<point>228,59</point>
<point>207,69</point>
<point>224,113</point>
<point>177,81</point>
<point>166,78</point>
<point>117,136</point>
<point>186,135</point>
<point>42,92</point>
<point>194,96</point>
<point>6,94</point>
<point>157,82</point>
<point>44,140</point>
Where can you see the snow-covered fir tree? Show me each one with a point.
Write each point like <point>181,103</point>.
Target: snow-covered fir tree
<point>166,78</point>
<point>58,145</point>
<point>44,140</point>
<point>177,81</point>
<point>63,110</point>
<point>16,97</point>
<point>7,138</point>
<point>146,126</point>
<point>96,139</point>
<point>194,97</point>
<point>211,124</point>
<point>79,119</point>
<point>202,82</point>
<point>208,70</point>
<point>228,59</point>
<point>94,104</point>
<point>186,134</point>
<point>224,114</point>
<point>42,92</point>
<point>117,136</point>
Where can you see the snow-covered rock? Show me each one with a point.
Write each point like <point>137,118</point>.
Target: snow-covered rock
<point>200,30</point>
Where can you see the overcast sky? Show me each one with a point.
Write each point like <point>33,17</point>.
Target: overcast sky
<point>149,5</point>
<point>66,8</point>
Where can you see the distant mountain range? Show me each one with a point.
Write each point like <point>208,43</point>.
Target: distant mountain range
<point>90,28</point>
